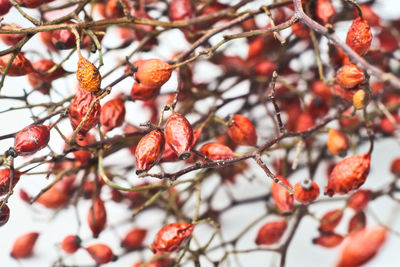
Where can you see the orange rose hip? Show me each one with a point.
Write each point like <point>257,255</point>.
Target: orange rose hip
<point>149,150</point>
<point>88,75</point>
<point>242,131</point>
<point>179,135</point>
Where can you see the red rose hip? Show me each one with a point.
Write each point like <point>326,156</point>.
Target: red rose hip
<point>31,139</point>
<point>179,135</point>
<point>172,237</point>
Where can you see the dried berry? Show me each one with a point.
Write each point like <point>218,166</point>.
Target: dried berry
<point>359,36</point>
<point>349,76</point>
<point>242,131</point>
<point>39,79</point>
<point>4,214</point>
<point>361,99</point>
<point>23,245</point>
<point>325,11</point>
<point>256,47</point>
<point>357,222</point>
<point>328,240</point>
<point>179,135</point>
<point>19,67</point>
<point>359,200</point>
<point>271,232</point>
<point>264,68</point>
<point>159,260</point>
<point>330,220</point>
<point>153,72</point>
<point>172,237</point>
<point>33,3</point>
<point>114,9</point>
<point>63,39</point>
<point>149,151</point>
<point>5,179</point>
<point>112,114</point>
<point>71,243</point>
<point>348,174</point>
<point>101,253</point>
<point>31,139</point>
<point>134,239</point>
<point>300,31</point>
<point>361,246</point>
<point>338,143</point>
<point>346,94</point>
<point>78,109</point>
<point>97,217</point>
<point>306,191</point>
<point>282,197</point>
<point>216,151</point>
<point>88,75</point>
<point>11,38</point>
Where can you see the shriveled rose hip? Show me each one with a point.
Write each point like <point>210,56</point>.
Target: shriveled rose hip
<point>134,239</point>
<point>172,237</point>
<point>19,67</point>
<point>162,261</point>
<point>348,174</point>
<point>359,200</point>
<point>97,217</point>
<point>330,220</point>
<point>283,199</point>
<point>359,36</point>
<point>304,122</point>
<point>71,243</point>
<point>31,139</point>
<point>328,240</point>
<point>5,179</point>
<point>216,151</point>
<point>4,214</point>
<point>114,9</point>
<point>306,191</point>
<point>149,150</point>
<point>112,114</point>
<point>242,131</point>
<point>23,245</point>
<point>349,76</point>
<point>361,246</point>
<point>271,232</point>
<point>325,11</point>
<point>101,253</point>
<point>322,90</point>
<point>338,143</point>
<point>153,72</point>
<point>179,135</point>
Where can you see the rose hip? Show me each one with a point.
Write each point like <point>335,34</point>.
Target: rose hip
<point>179,135</point>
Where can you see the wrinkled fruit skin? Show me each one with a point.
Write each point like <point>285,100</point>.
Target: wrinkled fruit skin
<point>162,262</point>
<point>97,217</point>
<point>153,72</point>
<point>338,143</point>
<point>283,200</point>
<point>19,67</point>
<point>149,151</point>
<point>179,135</point>
<point>271,232</point>
<point>31,139</point>
<point>4,215</point>
<point>361,246</point>
<point>306,194</point>
<point>242,131</point>
<point>216,151</point>
<point>88,75</point>
<point>112,114</point>
<point>348,174</point>
<point>359,36</point>
<point>53,198</point>
<point>100,253</point>
<point>349,76</point>
<point>172,237</point>
<point>5,180</point>
<point>134,239</point>
<point>78,109</point>
<point>71,243</point>
<point>23,245</point>
<point>361,99</point>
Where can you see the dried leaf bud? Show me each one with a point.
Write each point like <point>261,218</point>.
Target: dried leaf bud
<point>359,36</point>
<point>153,72</point>
<point>71,243</point>
<point>361,246</point>
<point>359,200</point>
<point>306,191</point>
<point>97,217</point>
<point>349,76</point>
<point>101,253</point>
<point>338,143</point>
<point>361,99</point>
<point>271,232</point>
<point>330,220</point>
<point>179,135</point>
<point>325,11</point>
<point>149,150</point>
<point>283,199</point>
<point>357,222</point>
<point>216,151</point>
<point>5,179</point>
<point>134,239</point>
<point>31,139</point>
<point>172,237</point>
<point>112,114</point>
<point>23,245</point>
<point>19,67</point>
<point>242,131</point>
<point>348,174</point>
<point>88,76</point>
<point>4,214</point>
<point>328,240</point>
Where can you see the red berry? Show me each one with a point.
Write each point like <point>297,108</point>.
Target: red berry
<point>100,253</point>
<point>31,139</point>
<point>359,200</point>
<point>330,220</point>
<point>172,237</point>
<point>328,240</point>
<point>112,114</point>
<point>306,191</point>
<point>271,232</point>
<point>5,180</point>
<point>23,245</point>
<point>97,217</point>
<point>149,150</point>
<point>134,239</point>
<point>4,214</point>
<point>179,135</point>
<point>282,197</point>
<point>349,76</point>
<point>359,36</point>
<point>242,131</point>
<point>71,243</point>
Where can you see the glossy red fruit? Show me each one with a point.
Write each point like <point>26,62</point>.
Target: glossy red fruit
<point>11,38</point>
<point>306,191</point>
<point>97,217</point>
<point>153,72</point>
<point>134,239</point>
<point>101,253</point>
<point>23,245</point>
<point>31,139</point>
<point>283,199</point>
<point>179,135</point>
<point>63,39</point>
<point>112,114</point>
<point>357,222</point>
<point>395,166</point>
<point>149,150</point>
<point>19,67</point>
<point>4,215</point>
<point>325,11</point>
<point>40,80</point>
<point>330,220</point>
<point>5,6</point>
<point>71,243</point>
<point>359,200</point>
<point>216,151</point>
<point>144,92</point>
<point>172,237</point>
<point>271,232</point>
<point>338,143</point>
<point>328,240</point>
<point>242,131</point>
<point>348,174</point>
<point>359,36</point>
<point>349,76</point>
<point>361,246</point>
<point>181,9</point>
<point>78,109</point>
<point>5,180</point>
